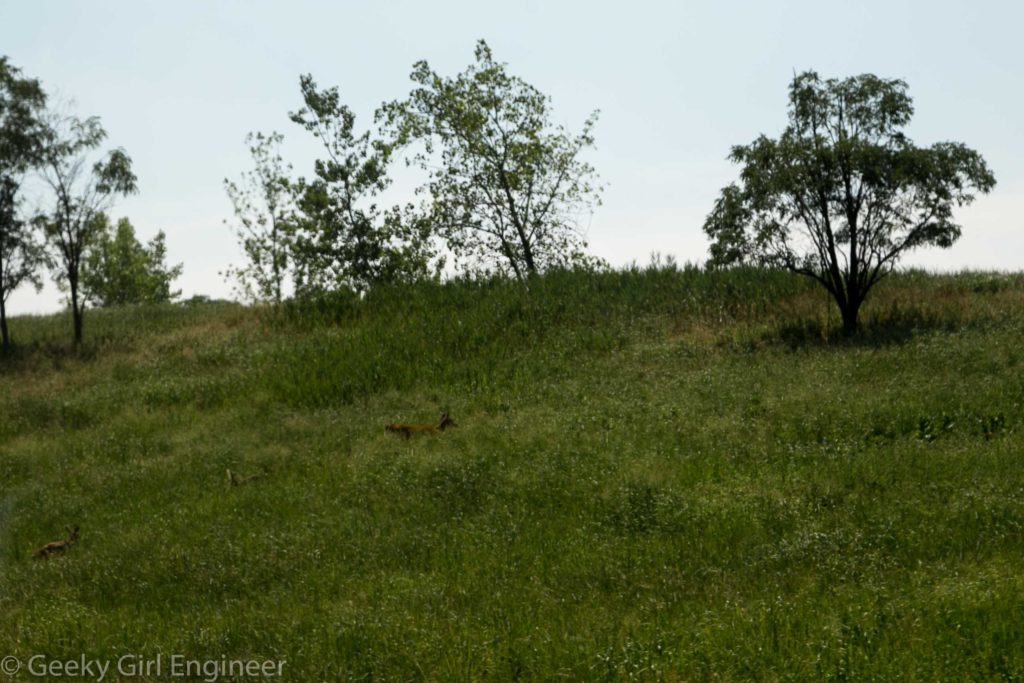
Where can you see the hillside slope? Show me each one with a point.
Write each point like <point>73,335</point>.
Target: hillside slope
<point>656,474</point>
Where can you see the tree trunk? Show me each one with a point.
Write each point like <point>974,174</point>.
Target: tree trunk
<point>76,312</point>
<point>531,267</point>
<point>3,325</point>
<point>507,250</point>
<point>850,314</point>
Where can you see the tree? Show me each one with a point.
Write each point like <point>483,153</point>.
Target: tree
<point>344,239</point>
<point>843,194</point>
<point>20,254</point>
<point>81,192</point>
<point>509,185</point>
<point>264,207</point>
<point>119,270</point>
<point>21,106</point>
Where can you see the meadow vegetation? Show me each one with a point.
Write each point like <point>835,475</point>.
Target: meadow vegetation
<point>658,474</point>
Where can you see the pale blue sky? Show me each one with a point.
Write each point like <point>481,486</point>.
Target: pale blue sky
<point>179,84</point>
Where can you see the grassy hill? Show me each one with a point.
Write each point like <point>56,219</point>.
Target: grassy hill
<point>657,474</point>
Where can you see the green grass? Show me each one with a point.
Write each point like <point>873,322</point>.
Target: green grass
<point>658,474</point>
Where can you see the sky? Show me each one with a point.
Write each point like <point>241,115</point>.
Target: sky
<point>179,84</point>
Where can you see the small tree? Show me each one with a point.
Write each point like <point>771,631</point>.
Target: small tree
<point>119,270</point>
<point>344,238</point>
<point>21,137</point>
<point>264,208</point>
<point>82,193</point>
<point>843,194</point>
<point>509,186</point>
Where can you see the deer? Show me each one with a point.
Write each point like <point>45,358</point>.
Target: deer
<point>58,547</point>
<point>235,480</point>
<point>407,430</point>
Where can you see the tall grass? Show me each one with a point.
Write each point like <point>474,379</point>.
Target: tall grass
<point>658,474</point>
<point>481,334</point>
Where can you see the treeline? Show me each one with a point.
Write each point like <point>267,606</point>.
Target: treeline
<point>91,261</point>
<point>839,197</point>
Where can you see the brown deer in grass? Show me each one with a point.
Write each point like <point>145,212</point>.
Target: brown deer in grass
<point>408,430</point>
<point>235,480</point>
<point>58,547</point>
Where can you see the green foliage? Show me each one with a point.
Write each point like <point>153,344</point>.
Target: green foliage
<point>264,208</point>
<point>325,234</point>
<point>21,255</point>
<point>21,135</point>
<point>79,195</point>
<point>843,194</point>
<point>507,187</point>
<point>119,270</point>
<point>505,197</point>
<point>343,239</point>
<point>21,127</point>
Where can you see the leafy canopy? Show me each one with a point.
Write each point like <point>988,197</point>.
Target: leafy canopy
<point>22,102</point>
<point>843,193</point>
<point>344,239</point>
<point>20,252</point>
<point>21,126</point>
<point>508,187</point>
<point>119,270</point>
